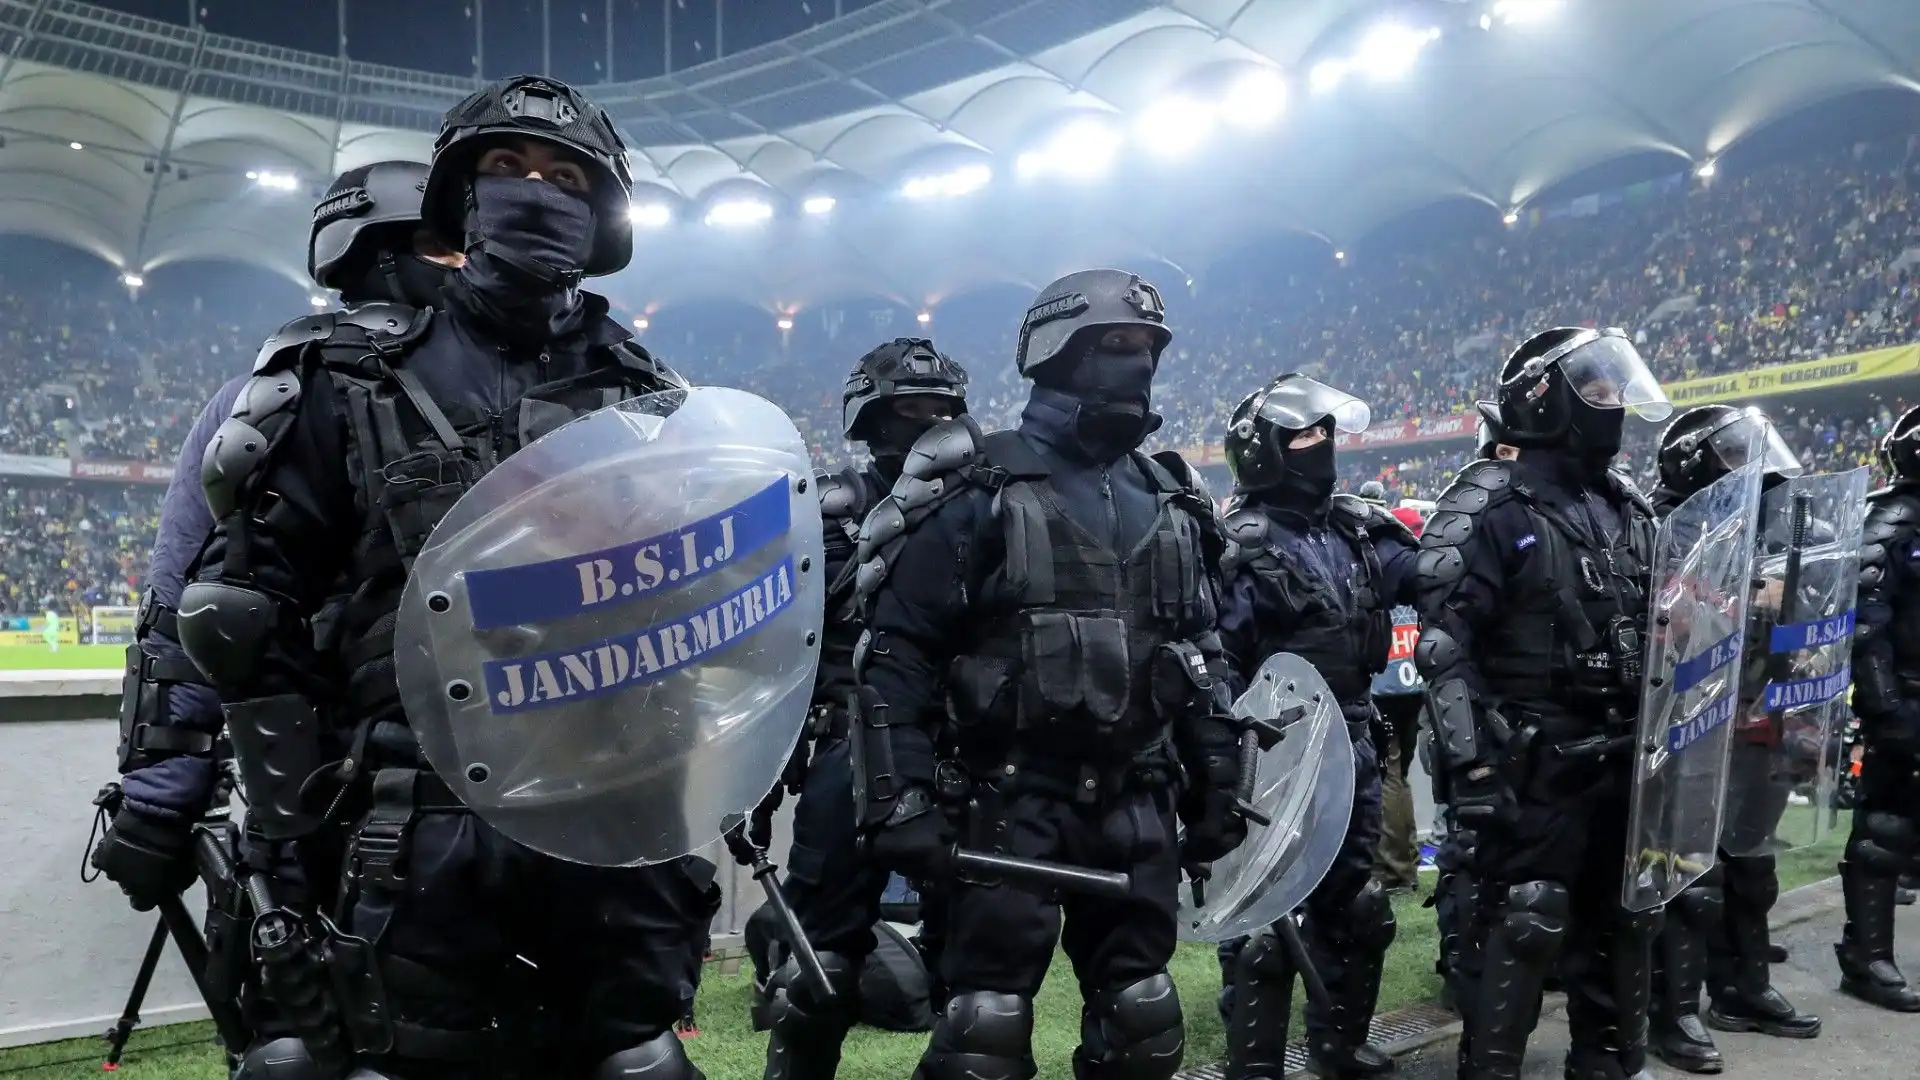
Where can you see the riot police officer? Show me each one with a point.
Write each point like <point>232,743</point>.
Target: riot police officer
<point>357,432</point>
<point>1315,574</point>
<point>895,394</point>
<point>1050,587</point>
<point>1886,697</point>
<point>170,719</point>
<point>1719,923</point>
<point>1533,583</point>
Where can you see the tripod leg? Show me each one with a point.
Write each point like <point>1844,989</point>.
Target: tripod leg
<point>122,1030</point>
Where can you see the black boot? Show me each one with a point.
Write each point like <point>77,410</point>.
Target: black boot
<point>1776,953</point>
<point>1683,1043</point>
<point>1742,988</point>
<point>1678,1037</point>
<point>1349,960</point>
<point>1262,1004</point>
<point>1767,1012</point>
<point>1865,951</point>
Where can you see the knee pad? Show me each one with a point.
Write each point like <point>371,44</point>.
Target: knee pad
<point>795,1002</point>
<point>281,1059</point>
<point>1535,919</point>
<point>1372,919</point>
<point>1263,957</point>
<point>1135,1032</point>
<point>659,1058</point>
<point>980,1034</point>
<point>1698,906</point>
<point>1881,843</point>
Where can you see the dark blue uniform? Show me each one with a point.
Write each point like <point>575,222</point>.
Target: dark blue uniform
<point>1321,586</point>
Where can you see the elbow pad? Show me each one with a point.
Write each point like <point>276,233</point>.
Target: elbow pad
<point>225,629</point>
<point>1456,724</point>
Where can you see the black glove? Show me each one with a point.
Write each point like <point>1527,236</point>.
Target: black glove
<point>149,858</point>
<point>1214,825</point>
<point>915,841</point>
<point>1478,794</point>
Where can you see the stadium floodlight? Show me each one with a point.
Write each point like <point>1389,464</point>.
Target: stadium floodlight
<point>1511,217</point>
<point>1255,99</point>
<point>317,301</point>
<point>961,181</point>
<point>1389,50</point>
<point>1520,12</point>
<point>132,281</point>
<point>1706,170</point>
<point>819,204</point>
<point>640,323</point>
<point>274,181</point>
<point>1326,75</point>
<point>76,146</point>
<point>1174,125</point>
<point>650,215</point>
<point>924,318</point>
<point>1080,150</point>
<point>784,323</point>
<point>736,212</point>
<point>1340,256</point>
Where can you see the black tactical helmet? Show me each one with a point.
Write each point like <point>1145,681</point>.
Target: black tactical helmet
<point>369,208</point>
<point>900,368</point>
<point>1558,371</point>
<point>1267,420</point>
<point>1486,433</point>
<point>1900,450</point>
<point>1707,442</point>
<point>532,106</point>
<point>1088,301</point>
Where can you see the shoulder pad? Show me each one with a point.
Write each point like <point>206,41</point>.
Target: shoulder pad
<point>648,369</point>
<point>1381,522</point>
<point>1478,486</point>
<point>843,496</point>
<point>382,323</point>
<point>944,449</point>
<point>1353,508</point>
<point>280,351</point>
<point>1891,519</point>
<point>1184,473</point>
<point>1249,536</point>
<point>238,452</point>
<point>386,320</point>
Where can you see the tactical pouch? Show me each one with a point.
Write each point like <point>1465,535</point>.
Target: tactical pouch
<point>417,491</point>
<point>276,742</point>
<point>977,689</point>
<point>227,954</point>
<point>870,758</point>
<point>355,973</point>
<point>1176,573</point>
<point>1075,667</point>
<point>1181,682</point>
<point>142,705</point>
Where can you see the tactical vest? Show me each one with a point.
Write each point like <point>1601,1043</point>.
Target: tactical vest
<point>1571,628</point>
<point>1902,561</point>
<point>408,465</point>
<point>1345,638</point>
<point>1089,652</point>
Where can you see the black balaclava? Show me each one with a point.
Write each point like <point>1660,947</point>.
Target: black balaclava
<point>401,277</point>
<point>1308,483</point>
<point>892,436</point>
<point>1113,389</point>
<point>1594,436</point>
<point>527,242</point>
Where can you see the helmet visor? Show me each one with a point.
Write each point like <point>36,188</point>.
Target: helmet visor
<point>1754,438</point>
<point>1608,373</point>
<point>1297,403</point>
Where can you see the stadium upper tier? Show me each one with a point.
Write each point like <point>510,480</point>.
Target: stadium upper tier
<point>916,148</point>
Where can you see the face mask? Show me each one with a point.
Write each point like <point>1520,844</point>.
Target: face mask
<point>1310,475</point>
<point>529,242</point>
<point>1595,434</point>
<point>1114,390</point>
<point>402,279</point>
<point>893,436</point>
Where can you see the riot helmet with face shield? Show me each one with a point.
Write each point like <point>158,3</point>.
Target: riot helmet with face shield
<point>1900,450</point>
<point>1570,388</point>
<point>1709,441</point>
<point>1280,438</point>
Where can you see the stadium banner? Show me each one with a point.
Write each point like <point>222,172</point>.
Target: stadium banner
<point>1789,378</point>
<point>53,468</point>
<point>131,472</point>
<point>68,634</point>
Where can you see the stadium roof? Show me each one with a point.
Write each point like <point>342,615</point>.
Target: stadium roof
<point>149,143</point>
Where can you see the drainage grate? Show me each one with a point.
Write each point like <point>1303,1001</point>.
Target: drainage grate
<point>1396,1032</point>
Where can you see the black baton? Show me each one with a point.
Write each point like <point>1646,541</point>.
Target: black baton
<point>810,969</point>
<point>1111,884</point>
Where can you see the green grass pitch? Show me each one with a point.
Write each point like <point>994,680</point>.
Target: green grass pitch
<point>70,657</point>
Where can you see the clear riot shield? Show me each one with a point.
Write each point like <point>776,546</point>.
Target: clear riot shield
<point>607,646</point>
<point>1793,698</point>
<point>1697,613</point>
<point>1304,786</point>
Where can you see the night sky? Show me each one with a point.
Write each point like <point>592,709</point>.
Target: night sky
<point>438,35</point>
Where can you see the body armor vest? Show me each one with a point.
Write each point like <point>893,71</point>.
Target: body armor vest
<point>409,463</point>
<point>1346,638</point>
<point>1089,654</point>
<point>1904,631</point>
<point>1571,627</point>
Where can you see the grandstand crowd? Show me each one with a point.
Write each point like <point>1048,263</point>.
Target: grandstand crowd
<point>1790,262</point>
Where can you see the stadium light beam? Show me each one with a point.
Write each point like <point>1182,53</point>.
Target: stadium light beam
<point>734,213</point>
<point>1175,125</point>
<point>1389,50</point>
<point>819,204</point>
<point>132,281</point>
<point>1522,12</point>
<point>964,180</point>
<point>650,215</point>
<point>1255,99</point>
<point>1081,150</point>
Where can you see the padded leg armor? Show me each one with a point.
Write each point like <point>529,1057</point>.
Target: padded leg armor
<point>1262,1007</point>
<point>805,1044</point>
<point>1694,920</point>
<point>1341,1051</point>
<point>1133,1033</point>
<point>981,1036</point>
<point>660,1058</point>
<point>1456,906</point>
<point>1524,940</point>
<point>1876,854</point>
<point>1609,984</point>
<point>281,1059</point>
<point>1743,995</point>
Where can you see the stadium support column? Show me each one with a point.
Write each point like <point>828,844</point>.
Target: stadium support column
<point>719,28</point>
<point>609,25</point>
<point>479,40</point>
<point>666,39</point>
